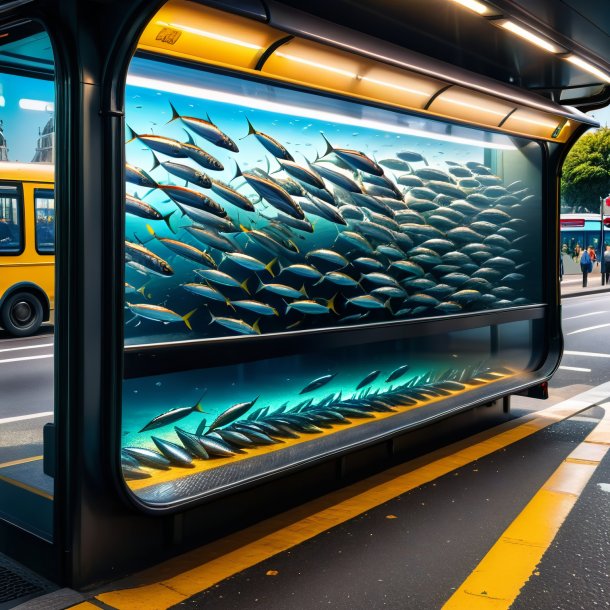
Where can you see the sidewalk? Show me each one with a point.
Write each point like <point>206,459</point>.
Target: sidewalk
<point>571,285</point>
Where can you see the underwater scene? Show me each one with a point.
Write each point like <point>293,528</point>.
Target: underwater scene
<point>242,219</point>
<point>191,432</point>
<point>253,209</point>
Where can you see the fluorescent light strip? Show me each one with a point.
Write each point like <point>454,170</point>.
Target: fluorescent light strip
<point>302,111</point>
<point>516,117</point>
<point>314,64</point>
<point>472,106</point>
<point>393,86</point>
<point>585,65</point>
<point>511,26</point>
<point>473,5</point>
<point>213,35</point>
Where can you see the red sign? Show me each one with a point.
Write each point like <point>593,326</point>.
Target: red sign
<point>573,222</point>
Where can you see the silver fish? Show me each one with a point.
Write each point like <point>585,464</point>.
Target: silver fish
<point>173,415</point>
<point>232,413</point>
<point>317,383</point>
<point>173,452</point>
<point>205,129</point>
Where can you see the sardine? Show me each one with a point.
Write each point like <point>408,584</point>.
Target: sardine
<point>177,455</point>
<point>173,415</point>
<point>317,383</point>
<point>205,129</point>
<point>271,144</point>
<point>354,158</point>
<point>157,313</point>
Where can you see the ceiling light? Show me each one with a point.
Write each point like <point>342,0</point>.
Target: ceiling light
<point>473,5</point>
<point>393,86</point>
<point>212,35</point>
<point>585,65</point>
<point>315,64</point>
<point>511,26</point>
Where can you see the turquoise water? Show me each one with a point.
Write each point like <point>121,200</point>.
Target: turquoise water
<point>149,113</point>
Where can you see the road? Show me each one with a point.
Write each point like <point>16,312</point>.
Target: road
<point>26,393</point>
<point>26,372</point>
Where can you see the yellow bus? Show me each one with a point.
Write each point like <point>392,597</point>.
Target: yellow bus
<point>27,246</point>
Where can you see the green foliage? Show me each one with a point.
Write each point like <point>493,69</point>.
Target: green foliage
<point>586,171</point>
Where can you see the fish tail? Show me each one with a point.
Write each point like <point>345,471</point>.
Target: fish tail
<point>238,172</point>
<point>320,280</point>
<point>251,129</point>
<point>175,114</point>
<point>256,327</point>
<point>142,291</point>
<point>186,318</point>
<point>288,305</point>
<point>244,285</point>
<point>150,230</point>
<point>329,146</point>
<point>166,219</point>
<point>189,137</point>
<point>229,304</point>
<point>269,267</point>
<point>331,303</point>
<point>387,305</point>
<point>303,291</point>
<point>131,134</point>
<point>198,407</point>
<point>156,161</point>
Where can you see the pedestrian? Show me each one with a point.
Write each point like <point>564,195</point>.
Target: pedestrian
<point>561,264</point>
<point>607,264</point>
<point>577,252</point>
<point>592,254</point>
<point>586,266</point>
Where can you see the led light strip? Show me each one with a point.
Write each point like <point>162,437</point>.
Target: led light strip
<point>486,11</point>
<point>302,111</point>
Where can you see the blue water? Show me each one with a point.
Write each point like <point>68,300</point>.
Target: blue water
<point>148,112</point>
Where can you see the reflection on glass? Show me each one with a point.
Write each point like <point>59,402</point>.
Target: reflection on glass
<point>44,202</point>
<point>252,209</point>
<point>10,220</point>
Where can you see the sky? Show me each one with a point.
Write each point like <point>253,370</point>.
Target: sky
<point>602,116</point>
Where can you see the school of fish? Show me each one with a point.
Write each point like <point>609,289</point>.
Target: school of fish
<point>334,240</point>
<point>241,427</point>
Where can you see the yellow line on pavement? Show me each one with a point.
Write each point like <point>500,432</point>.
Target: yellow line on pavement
<point>34,458</point>
<point>498,579</point>
<point>177,579</point>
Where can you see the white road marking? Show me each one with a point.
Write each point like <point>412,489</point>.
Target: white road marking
<point>574,368</point>
<point>584,330</point>
<point>584,315</point>
<point>604,486</point>
<point>10,420</point>
<point>14,349</point>
<point>588,354</point>
<point>7,360</point>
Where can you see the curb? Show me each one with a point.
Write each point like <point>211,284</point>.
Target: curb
<point>580,294</point>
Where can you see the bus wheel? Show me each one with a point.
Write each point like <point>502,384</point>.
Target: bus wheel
<point>21,314</point>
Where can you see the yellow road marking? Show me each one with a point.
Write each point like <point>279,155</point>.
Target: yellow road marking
<point>498,579</point>
<point>30,488</point>
<point>174,581</point>
<point>34,458</point>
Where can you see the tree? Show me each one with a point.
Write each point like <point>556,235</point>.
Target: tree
<point>586,172</point>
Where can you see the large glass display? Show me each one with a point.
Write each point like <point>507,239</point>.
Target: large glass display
<point>255,209</point>
<point>256,212</point>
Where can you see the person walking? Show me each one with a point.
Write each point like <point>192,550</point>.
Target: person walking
<point>607,264</point>
<point>586,266</point>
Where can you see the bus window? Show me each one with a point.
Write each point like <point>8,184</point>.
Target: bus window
<point>11,241</point>
<point>44,205</point>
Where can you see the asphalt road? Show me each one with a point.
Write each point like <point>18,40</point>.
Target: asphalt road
<point>26,393</point>
<point>586,330</point>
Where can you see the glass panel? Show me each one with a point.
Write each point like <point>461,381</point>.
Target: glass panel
<point>255,209</point>
<point>203,430</point>
<point>44,207</point>
<point>27,278</point>
<point>11,230</point>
